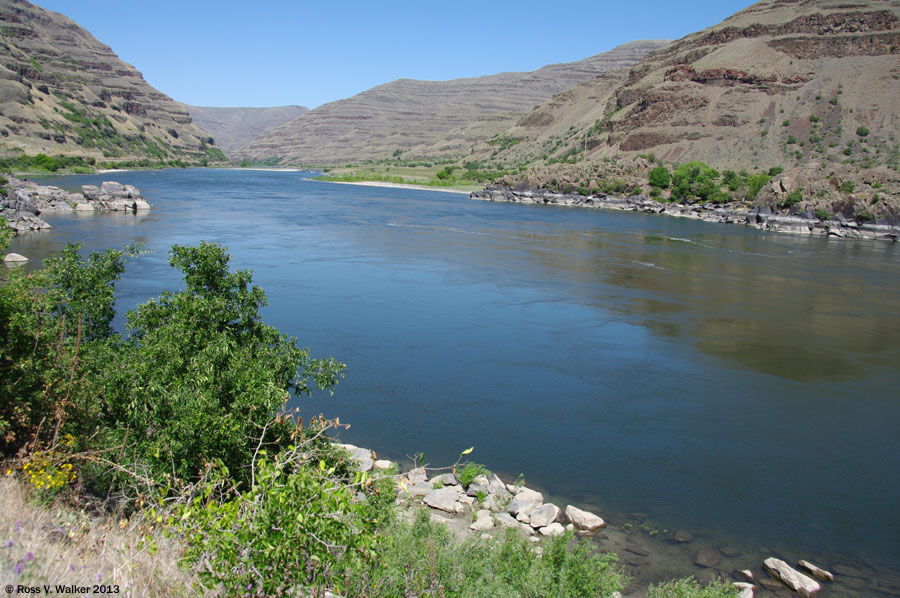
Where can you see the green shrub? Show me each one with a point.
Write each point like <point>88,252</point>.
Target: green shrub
<point>199,375</point>
<point>814,119</point>
<point>862,132</point>
<point>847,187</point>
<point>821,214</point>
<point>660,178</point>
<point>423,559</point>
<point>793,198</point>
<point>775,170</point>
<point>694,179</point>
<point>691,588</point>
<point>469,472</point>
<point>755,182</point>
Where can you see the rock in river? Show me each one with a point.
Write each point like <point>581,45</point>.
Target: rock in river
<point>800,583</point>
<point>584,520</point>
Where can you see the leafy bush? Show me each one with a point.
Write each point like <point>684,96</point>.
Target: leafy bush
<point>775,170</point>
<point>793,198</point>
<point>691,588</point>
<point>299,525</point>
<point>422,559</point>
<point>847,187</point>
<point>862,131</point>
<point>469,472</point>
<point>660,178</point>
<point>755,182</point>
<point>200,373</point>
<point>696,179</point>
<point>821,214</point>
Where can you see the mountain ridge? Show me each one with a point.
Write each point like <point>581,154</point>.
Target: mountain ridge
<point>64,92</point>
<point>404,113</point>
<point>234,128</point>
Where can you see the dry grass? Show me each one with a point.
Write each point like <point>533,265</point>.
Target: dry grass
<point>56,544</point>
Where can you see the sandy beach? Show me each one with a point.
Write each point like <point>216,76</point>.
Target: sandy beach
<point>396,186</point>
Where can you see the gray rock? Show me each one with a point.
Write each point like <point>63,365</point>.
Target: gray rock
<point>554,529</point>
<point>417,475</point>
<point>545,515</point>
<point>420,488</point>
<point>475,488</point>
<point>364,457</point>
<point>798,582</point>
<point>91,192</point>
<point>140,204</point>
<point>524,502</point>
<point>14,258</point>
<point>444,499</point>
<point>383,464</point>
<point>745,590</point>
<point>637,549</point>
<point>447,479</point>
<point>505,520</point>
<point>683,536</point>
<point>111,188</point>
<point>84,207</point>
<point>466,500</point>
<point>817,571</point>
<point>583,520</point>
<point>707,558</point>
<point>497,488</point>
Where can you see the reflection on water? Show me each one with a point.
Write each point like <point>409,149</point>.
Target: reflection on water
<point>738,383</point>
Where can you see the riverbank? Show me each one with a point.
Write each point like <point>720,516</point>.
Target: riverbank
<point>471,500</point>
<point>395,186</point>
<point>761,217</point>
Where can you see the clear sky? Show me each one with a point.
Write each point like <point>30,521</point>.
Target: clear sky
<point>278,52</point>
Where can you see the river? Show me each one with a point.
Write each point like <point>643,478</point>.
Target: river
<point>669,374</point>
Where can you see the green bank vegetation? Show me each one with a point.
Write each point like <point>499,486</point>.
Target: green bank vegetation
<point>44,164</point>
<point>176,427</point>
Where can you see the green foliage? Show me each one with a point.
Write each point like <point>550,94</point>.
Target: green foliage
<point>469,472</point>
<point>422,559</point>
<point>792,139</point>
<point>201,373</point>
<point>691,588</point>
<point>659,177</point>
<point>504,143</point>
<point>445,173</point>
<point>298,526</point>
<point>793,198</point>
<point>786,123</point>
<point>847,187</point>
<point>821,214</point>
<point>775,170</point>
<point>814,119</point>
<point>862,132</point>
<point>697,180</point>
<point>755,182</point>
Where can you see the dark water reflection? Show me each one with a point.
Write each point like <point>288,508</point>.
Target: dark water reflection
<point>715,377</point>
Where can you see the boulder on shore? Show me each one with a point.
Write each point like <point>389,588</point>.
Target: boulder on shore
<point>583,520</point>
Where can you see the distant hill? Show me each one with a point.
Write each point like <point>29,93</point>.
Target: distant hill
<point>234,128</point>
<point>406,113</point>
<point>783,82</point>
<point>64,92</point>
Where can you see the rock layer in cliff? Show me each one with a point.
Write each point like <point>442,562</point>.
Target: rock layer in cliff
<point>64,92</point>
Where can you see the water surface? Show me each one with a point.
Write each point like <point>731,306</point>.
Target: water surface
<point>733,382</point>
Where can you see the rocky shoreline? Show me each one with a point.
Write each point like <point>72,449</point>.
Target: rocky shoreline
<point>489,506</point>
<point>24,202</point>
<point>761,217</point>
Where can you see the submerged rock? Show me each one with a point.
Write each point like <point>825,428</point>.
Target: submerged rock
<point>817,571</point>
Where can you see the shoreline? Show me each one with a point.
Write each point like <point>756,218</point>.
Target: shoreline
<point>396,186</point>
<point>490,506</point>
<point>760,217</point>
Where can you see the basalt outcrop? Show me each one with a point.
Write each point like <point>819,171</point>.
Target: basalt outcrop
<point>783,82</point>
<point>762,217</point>
<point>64,92</point>
<point>24,202</point>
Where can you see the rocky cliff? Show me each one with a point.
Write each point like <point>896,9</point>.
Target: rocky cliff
<point>64,92</point>
<point>234,128</point>
<point>419,116</point>
<point>783,82</point>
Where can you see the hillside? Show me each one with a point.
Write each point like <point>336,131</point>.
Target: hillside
<point>234,128</point>
<point>404,113</point>
<point>64,92</point>
<point>783,82</point>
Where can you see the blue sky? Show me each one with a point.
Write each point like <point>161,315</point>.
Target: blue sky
<point>274,52</point>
